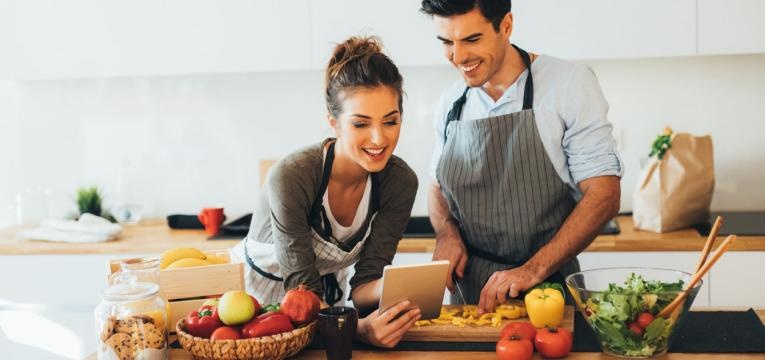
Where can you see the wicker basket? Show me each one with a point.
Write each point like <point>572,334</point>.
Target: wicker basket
<point>278,346</point>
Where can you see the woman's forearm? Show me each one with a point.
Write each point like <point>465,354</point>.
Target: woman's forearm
<point>367,295</point>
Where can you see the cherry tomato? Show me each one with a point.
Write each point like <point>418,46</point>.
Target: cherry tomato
<point>523,329</point>
<point>644,319</point>
<point>636,328</point>
<point>514,348</point>
<point>553,343</point>
<point>225,333</point>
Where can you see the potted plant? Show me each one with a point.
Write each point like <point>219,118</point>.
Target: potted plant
<point>89,200</point>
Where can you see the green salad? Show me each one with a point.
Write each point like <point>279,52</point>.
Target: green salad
<point>624,317</point>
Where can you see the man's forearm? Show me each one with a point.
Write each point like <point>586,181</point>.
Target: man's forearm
<point>599,204</point>
<point>438,210</point>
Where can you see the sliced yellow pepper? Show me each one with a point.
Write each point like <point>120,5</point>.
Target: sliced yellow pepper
<point>496,320</point>
<point>445,316</point>
<point>482,322</point>
<point>419,323</point>
<point>545,307</point>
<point>509,312</point>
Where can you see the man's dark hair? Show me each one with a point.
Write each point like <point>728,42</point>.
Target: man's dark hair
<point>492,10</point>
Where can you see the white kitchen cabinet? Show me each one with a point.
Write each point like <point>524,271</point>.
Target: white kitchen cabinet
<point>731,26</point>
<point>92,38</point>
<point>409,37</point>
<point>51,294</point>
<point>737,279</point>
<point>683,261</point>
<point>55,280</point>
<point>605,29</point>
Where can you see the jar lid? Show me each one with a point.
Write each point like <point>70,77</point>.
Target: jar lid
<point>130,291</point>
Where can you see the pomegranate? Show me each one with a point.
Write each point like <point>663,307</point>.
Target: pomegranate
<point>301,305</point>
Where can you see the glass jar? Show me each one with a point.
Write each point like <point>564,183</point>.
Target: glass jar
<point>146,269</point>
<point>131,321</point>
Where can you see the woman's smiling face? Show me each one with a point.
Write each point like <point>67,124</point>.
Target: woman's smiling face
<point>368,127</point>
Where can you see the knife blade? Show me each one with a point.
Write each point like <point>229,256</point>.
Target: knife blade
<point>459,289</point>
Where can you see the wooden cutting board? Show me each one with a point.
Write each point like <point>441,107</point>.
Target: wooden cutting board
<point>472,333</point>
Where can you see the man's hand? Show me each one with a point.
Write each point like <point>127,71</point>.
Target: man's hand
<point>451,248</point>
<point>503,283</point>
<point>449,245</point>
<point>599,203</point>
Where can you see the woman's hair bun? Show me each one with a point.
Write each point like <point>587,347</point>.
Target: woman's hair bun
<point>359,62</point>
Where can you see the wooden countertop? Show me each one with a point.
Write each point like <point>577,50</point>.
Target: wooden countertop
<point>179,354</point>
<point>154,236</point>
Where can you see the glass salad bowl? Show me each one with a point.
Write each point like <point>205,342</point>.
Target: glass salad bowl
<point>622,305</point>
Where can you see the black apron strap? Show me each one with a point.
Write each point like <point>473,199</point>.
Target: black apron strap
<point>456,112</point>
<point>489,256</point>
<point>257,269</point>
<point>317,208</point>
<point>528,92</point>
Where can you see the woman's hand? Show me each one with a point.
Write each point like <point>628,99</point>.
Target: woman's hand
<point>387,329</point>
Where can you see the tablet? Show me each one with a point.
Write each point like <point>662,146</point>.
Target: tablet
<point>422,284</point>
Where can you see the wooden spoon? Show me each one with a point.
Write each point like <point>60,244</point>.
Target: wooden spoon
<point>697,276</point>
<point>710,241</point>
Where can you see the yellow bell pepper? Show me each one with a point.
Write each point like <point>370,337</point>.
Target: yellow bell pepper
<point>545,307</point>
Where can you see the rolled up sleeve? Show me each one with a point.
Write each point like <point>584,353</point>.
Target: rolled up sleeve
<point>588,142</point>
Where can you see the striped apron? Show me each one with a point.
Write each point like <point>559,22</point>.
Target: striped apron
<point>263,277</point>
<point>502,189</point>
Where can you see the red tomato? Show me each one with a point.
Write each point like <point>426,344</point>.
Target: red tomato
<point>301,305</point>
<point>225,333</point>
<point>553,343</point>
<point>644,319</point>
<point>523,329</point>
<point>635,328</point>
<point>514,348</point>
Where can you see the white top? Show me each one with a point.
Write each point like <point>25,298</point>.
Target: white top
<point>342,233</point>
<point>570,112</point>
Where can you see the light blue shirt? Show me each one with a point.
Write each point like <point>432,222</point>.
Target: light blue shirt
<point>570,113</point>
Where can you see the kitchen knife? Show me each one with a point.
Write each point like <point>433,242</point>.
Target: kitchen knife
<point>459,289</point>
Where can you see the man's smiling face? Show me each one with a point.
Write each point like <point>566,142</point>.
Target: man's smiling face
<point>473,46</point>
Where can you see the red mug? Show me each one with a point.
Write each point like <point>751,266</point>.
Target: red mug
<point>212,219</point>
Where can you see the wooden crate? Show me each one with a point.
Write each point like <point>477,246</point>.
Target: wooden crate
<point>187,288</point>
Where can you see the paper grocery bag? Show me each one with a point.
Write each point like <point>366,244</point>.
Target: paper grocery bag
<point>675,192</point>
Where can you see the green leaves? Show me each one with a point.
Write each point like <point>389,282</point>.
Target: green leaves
<point>550,285</point>
<point>89,200</point>
<point>654,329</point>
<point>272,307</point>
<point>661,144</point>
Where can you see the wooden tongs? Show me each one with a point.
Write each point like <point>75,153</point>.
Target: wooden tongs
<point>703,265</point>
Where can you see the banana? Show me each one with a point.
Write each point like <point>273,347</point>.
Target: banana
<point>172,255</point>
<point>188,262</point>
<point>216,259</point>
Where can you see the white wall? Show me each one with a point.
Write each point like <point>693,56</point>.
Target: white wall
<point>183,142</point>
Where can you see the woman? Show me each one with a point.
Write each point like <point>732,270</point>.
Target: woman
<point>342,202</point>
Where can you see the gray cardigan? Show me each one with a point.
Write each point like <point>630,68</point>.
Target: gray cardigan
<point>283,217</point>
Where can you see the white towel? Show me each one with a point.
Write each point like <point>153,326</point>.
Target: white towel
<point>88,229</point>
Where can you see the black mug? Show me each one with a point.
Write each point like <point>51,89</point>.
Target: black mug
<point>337,326</point>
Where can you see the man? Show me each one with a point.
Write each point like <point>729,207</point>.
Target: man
<point>525,168</point>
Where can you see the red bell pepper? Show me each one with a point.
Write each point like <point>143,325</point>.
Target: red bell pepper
<point>267,324</point>
<point>203,322</point>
